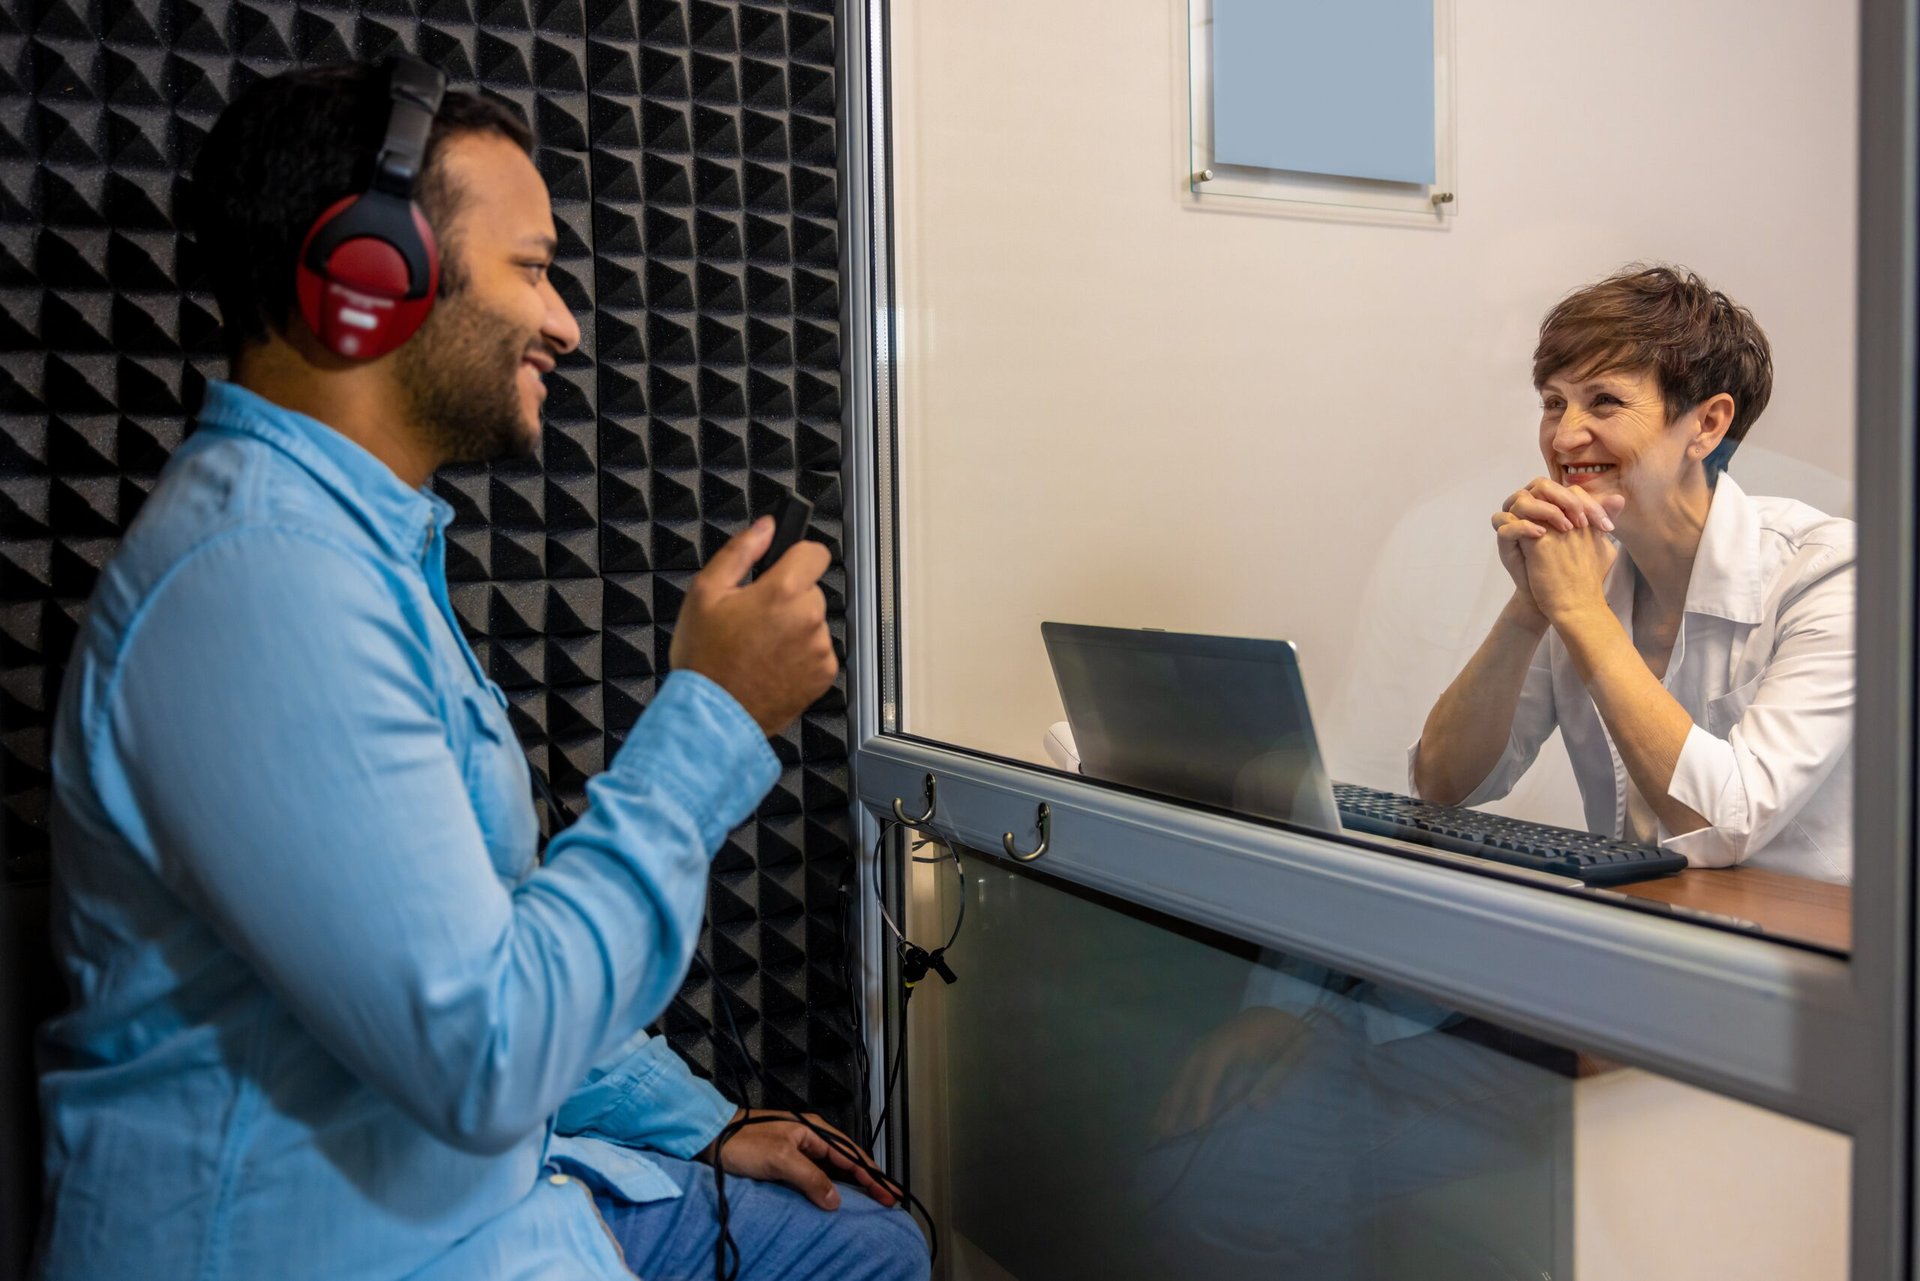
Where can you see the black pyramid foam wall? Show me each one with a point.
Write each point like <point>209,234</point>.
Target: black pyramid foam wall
<point>689,149</point>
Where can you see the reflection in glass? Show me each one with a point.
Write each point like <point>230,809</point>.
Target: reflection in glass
<point>1291,1126</point>
<point>1110,1095</point>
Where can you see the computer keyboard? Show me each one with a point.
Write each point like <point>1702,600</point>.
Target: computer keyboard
<point>1596,860</point>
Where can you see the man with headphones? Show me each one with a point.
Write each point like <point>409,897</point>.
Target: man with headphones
<point>330,1015</point>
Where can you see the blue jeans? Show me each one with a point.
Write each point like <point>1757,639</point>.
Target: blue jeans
<point>782,1236</point>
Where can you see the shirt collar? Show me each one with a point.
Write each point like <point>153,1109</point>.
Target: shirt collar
<point>1726,565</point>
<point>399,516</point>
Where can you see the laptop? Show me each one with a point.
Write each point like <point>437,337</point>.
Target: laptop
<point>1223,721</point>
<point>1220,720</point>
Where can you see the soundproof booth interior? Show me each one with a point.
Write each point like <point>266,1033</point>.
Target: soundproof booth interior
<point>1369,559</point>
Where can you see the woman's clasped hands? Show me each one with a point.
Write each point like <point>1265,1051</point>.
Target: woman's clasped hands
<point>1555,543</point>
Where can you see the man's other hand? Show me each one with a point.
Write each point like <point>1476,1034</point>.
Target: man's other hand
<point>791,1153</point>
<point>765,643</point>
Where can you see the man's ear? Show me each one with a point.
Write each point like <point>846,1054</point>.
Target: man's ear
<point>1712,417</point>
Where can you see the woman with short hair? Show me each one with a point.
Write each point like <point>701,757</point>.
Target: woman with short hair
<point>1693,643</point>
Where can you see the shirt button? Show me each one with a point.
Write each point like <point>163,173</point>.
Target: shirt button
<point>558,1180</point>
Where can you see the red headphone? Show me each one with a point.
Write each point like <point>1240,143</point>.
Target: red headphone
<point>368,269</point>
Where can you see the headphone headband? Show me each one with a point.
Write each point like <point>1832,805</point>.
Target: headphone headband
<point>415,90</point>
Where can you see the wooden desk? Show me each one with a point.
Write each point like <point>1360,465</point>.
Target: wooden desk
<point>1793,907</point>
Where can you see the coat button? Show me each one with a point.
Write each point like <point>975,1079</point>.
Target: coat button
<point>558,1180</point>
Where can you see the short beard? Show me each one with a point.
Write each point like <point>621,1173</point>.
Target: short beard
<point>461,377</point>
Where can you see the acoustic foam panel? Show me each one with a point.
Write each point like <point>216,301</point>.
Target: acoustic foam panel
<point>689,149</point>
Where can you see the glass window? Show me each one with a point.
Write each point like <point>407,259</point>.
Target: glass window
<point>1104,1092</point>
<point>1120,402</point>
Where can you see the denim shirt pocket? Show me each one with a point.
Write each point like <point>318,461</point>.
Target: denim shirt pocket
<point>498,786</point>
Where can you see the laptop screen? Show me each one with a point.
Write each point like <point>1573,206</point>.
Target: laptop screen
<point>1215,719</point>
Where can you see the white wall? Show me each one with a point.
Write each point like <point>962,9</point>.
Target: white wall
<point>1670,1181</point>
<point>1118,407</point>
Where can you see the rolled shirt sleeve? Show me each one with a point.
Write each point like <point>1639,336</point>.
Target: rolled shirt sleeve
<point>646,1097</point>
<point>1784,732</point>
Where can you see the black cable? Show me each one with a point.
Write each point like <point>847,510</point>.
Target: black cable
<point>558,815</point>
<point>893,1071</point>
<point>879,891</point>
<point>960,871</point>
<point>745,1056</point>
<point>952,854</point>
<point>856,1011</point>
<point>915,964</point>
<point>726,1251</point>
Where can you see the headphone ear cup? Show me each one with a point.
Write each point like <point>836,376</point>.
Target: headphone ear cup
<point>356,301</point>
<point>368,265</point>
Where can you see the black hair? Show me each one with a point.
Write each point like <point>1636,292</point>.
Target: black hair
<point>285,150</point>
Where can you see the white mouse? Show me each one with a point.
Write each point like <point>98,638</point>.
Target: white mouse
<point>1060,749</point>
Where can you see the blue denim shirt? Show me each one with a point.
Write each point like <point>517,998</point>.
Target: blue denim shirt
<point>328,1018</point>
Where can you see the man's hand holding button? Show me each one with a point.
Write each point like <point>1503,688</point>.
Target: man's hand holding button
<point>765,643</point>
